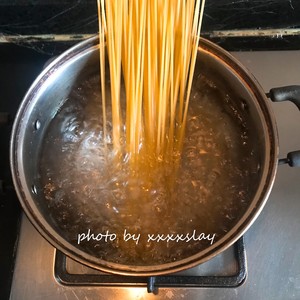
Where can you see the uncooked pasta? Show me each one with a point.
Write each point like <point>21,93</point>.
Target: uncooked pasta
<point>151,47</point>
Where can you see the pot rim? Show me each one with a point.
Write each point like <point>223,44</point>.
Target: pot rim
<point>268,176</point>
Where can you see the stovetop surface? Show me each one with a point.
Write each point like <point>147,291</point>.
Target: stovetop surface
<point>272,243</point>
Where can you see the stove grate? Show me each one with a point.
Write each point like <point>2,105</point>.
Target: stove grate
<point>153,283</point>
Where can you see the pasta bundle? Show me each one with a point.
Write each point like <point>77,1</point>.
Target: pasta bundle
<point>152,46</point>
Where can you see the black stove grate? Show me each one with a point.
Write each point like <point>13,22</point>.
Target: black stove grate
<point>153,283</point>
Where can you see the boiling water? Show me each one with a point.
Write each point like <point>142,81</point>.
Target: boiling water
<point>88,190</point>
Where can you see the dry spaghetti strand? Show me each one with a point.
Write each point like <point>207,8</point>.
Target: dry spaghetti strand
<point>152,46</point>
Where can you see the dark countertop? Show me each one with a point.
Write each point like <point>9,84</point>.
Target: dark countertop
<point>78,16</point>
<point>235,25</point>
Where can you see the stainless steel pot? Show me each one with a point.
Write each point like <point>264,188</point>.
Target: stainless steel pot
<point>50,91</point>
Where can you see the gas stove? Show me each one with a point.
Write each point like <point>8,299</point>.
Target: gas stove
<point>264,264</point>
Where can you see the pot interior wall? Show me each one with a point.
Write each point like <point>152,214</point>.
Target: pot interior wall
<point>60,187</point>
